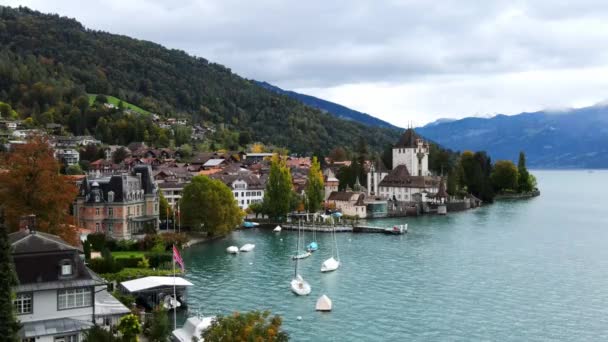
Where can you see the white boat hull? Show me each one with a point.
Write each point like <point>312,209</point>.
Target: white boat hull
<point>232,250</point>
<point>247,247</point>
<point>299,286</point>
<point>301,256</point>
<point>323,304</point>
<point>329,265</point>
<point>277,229</point>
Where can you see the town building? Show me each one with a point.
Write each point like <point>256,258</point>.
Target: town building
<point>349,203</point>
<point>331,182</point>
<point>57,296</point>
<point>410,180</point>
<point>172,191</point>
<point>120,206</point>
<point>68,157</point>
<point>247,188</point>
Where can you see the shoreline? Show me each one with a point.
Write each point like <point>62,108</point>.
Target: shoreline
<point>515,196</point>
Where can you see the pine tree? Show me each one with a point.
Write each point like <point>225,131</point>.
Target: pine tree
<point>524,175</point>
<point>9,326</point>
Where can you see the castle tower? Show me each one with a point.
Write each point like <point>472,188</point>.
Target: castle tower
<point>413,152</point>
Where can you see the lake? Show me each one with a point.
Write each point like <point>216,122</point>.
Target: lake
<point>527,270</point>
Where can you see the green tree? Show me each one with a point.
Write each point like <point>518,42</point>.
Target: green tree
<point>119,155</point>
<point>256,208</point>
<point>9,326</point>
<point>249,326</point>
<point>99,334</point>
<point>504,176</point>
<point>208,204</point>
<point>86,247</point>
<point>157,328</point>
<point>74,170</point>
<point>165,210</point>
<point>278,188</point>
<point>186,151</point>
<point>524,183</point>
<point>129,328</point>
<point>315,187</point>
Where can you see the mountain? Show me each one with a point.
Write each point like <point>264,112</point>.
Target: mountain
<point>330,107</point>
<point>49,64</point>
<point>576,138</point>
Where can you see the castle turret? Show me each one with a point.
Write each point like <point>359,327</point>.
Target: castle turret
<point>413,152</point>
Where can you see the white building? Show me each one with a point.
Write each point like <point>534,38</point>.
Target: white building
<point>246,187</point>
<point>349,203</point>
<point>410,177</point>
<point>57,297</point>
<point>172,191</point>
<point>68,157</point>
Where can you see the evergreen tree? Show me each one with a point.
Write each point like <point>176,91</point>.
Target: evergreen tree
<point>279,188</point>
<point>9,326</point>
<point>315,188</point>
<point>524,184</point>
<point>158,329</point>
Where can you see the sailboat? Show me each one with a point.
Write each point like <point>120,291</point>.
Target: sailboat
<point>332,263</point>
<point>299,286</point>
<point>304,255</point>
<point>313,246</point>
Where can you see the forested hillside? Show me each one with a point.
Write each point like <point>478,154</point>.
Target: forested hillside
<point>48,65</point>
<point>330,107</point>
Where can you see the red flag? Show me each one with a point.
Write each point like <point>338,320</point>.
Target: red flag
<point>178,258</point>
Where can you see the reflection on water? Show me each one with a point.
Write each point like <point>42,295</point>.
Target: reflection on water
<point>533,270</point>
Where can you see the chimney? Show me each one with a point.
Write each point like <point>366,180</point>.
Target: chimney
<point>28,223</point>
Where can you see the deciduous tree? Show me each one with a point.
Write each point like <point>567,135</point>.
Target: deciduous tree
<point>504,176</point>
<point>279,188</point>
<point>315,188</point>
<point>249,326</point>
<point>208,204</point>
<point>31,184</point>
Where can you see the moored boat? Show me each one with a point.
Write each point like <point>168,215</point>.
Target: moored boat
<point>397,229</point>
<point>323,304</point>
<point>301,256</point>
<point>277,229</point>
<point>299,286</point>
<point>247,247</point>
<point>232,250</point>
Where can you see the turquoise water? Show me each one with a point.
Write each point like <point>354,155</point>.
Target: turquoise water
<point>531,270</point>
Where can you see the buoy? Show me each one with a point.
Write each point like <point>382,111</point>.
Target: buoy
<point>299,318</point>
<point>323,304</point>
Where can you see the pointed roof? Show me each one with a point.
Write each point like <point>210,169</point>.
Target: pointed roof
<point>25,242</point>
<point>408,139</point>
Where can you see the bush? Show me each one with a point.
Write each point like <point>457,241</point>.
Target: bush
<point>106,264</point>
<point>144,263</point>
<point>159,259</point>
<point>130,262</point>
<point>126,299</point>
<point>97,240</point>
<point>149,241</point>
<point>158,328</point>
<point>127,245</point>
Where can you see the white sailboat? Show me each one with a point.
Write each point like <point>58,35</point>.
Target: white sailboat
<point>232,250</point>
<point>299,286</point>
<point>332,263</point>
<point>277,229</point>
<point>248,247</point>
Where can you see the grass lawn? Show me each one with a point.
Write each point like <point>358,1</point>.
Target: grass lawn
<point>128,254</point>
<point>114,100</point>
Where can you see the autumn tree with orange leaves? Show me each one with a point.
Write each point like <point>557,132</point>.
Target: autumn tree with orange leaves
<point>30,183</point>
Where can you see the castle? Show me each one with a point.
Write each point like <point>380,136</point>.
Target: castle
<point>410,180</point>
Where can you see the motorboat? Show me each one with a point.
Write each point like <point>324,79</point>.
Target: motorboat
<point>323,304</point>
<point>329,265</point>
<point>247,247</point>
<point>277,229</point>
<point>397,229</point>
<point>248,224</point>
<point>193,327</point>
<point>170,303</point>
<point>232,250</point>
<point>299,286</point>
<point>313,246</point>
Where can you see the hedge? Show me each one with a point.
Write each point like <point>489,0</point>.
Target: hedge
<point>134,273</point>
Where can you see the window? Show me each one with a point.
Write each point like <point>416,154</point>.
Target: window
<point>23,303</point>
<point>110,227</point>
<point>236,194</point>
<point>111,212</point>
<point>69,338</point>
<point>96,211</point>
<point>73,298</point>
<point>97,227</point>
<point>66,268</point>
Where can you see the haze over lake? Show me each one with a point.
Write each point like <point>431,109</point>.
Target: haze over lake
<point>530,270</point>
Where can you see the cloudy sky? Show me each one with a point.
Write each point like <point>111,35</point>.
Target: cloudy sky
<point>401,61</point>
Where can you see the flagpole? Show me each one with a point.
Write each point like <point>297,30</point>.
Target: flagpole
<point>179,216</point>
<point>174,295</point>
<point>174,220</point>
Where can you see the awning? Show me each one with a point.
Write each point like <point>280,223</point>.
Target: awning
<point>53,327</point>
<point>107,305</point>
<point>147,283</point>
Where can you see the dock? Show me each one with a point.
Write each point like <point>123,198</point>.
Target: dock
<point>319,228</point>
<point>338,228</point>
